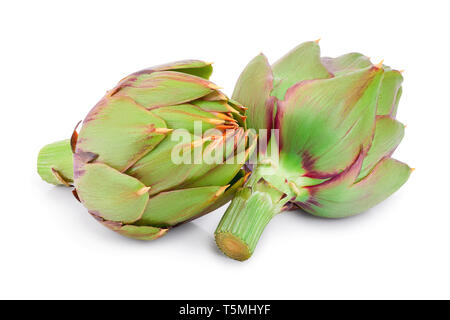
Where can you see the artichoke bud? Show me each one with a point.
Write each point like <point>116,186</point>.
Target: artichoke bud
<point>337,131</point>
<point>125,168</point>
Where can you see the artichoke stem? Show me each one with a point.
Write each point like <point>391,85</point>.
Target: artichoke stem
<point>55,163</point>
<point>245,219</point>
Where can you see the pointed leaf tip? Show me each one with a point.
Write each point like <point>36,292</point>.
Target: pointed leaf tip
<point>221,190</point>
<point>162,130</point>
<point>214,86</point>
<point>142,191</point>
<point>58,177</point>
<point>380,64</point>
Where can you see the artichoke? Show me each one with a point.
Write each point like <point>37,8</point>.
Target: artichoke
<point>123,163</point>
<point>331,133</point>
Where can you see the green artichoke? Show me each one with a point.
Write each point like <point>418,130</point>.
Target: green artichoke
<point>330,151</point>
<point>122,163</point>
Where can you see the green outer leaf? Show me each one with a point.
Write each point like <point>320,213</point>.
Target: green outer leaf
<point>338,199</point>
<point>204,72</point>
<point>219,175</point>
<point>57,155</point>
<point>253,89</point>
<point>165,88</point>
<point>132,231</point>
<point>109,194</point>
<point>388,99</point>
<point>184,116</point>
<point>142,232</point>
<point>388,135</point>
<point>301,63</point>
<point>194,67</point>
<point>120,132</point>
<point>346,63</point>
<point>239,107</point>
<point>172,207</point>
<point>325,122</point>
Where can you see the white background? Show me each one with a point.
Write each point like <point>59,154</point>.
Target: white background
<point>58,59</point>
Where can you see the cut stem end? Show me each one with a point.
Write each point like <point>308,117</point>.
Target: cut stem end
<point>233,246</point>
<point>245,219</point>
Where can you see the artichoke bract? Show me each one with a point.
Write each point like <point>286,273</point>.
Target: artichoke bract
<point>331,133</point>
<point>128,165</point>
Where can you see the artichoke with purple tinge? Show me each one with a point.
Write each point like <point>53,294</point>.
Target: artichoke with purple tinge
<point>122,162</point>
<point>334,131</point>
